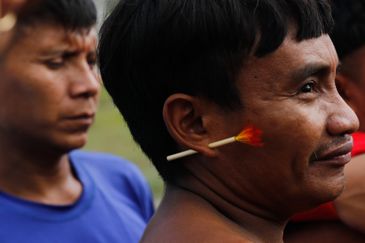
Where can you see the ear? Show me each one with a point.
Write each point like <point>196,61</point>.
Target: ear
<point>184,118</point>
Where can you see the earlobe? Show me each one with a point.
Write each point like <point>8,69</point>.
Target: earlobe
<point>184,119</point>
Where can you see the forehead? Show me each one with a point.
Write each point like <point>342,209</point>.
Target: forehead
<point>46,36</point>
<point>291,57</point>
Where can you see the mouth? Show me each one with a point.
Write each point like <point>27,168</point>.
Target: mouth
<point>82,116</point>
<point>78,122</point>
<point>338,156</point>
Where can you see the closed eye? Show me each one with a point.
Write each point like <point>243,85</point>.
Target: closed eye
<point>54,63</point>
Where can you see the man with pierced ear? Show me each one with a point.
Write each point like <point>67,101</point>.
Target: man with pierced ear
<point>187,73</point>
<point>49,88</point>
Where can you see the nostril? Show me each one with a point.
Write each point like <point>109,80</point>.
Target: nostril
<point>343,121</point>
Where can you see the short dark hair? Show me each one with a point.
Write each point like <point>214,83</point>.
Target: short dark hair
<point>150,49</point>
<point>70,14</point>
<point>349,31</point>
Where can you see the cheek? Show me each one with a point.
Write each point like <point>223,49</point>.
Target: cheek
<point>290,134</point>
<point>36,97</point>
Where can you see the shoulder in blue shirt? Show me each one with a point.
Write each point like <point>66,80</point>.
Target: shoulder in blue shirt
<point>115,205</point>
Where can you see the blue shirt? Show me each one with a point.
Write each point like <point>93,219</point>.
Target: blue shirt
<point>114,207</point>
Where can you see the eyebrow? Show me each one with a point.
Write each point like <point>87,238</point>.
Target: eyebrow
<point>64,52</point>
<point>55,52</point>
<point>311,70</point>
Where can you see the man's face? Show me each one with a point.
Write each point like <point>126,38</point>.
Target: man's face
<point>49,88</point>
<point>291,96</point>
<point>354,65</point>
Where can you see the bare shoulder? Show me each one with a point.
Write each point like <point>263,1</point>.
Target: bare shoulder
<point>355,175</point>
<point>182,232</point>
<point>350,204</point>
<point>357,162</point>
<point>186,221</point>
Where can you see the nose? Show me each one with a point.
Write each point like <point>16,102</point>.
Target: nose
<point>85,82</point>
<point>343,119</point>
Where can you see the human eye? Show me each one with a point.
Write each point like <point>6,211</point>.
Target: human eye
<point>91,59</point>
<point>55,63</point>
<point>308,87</point>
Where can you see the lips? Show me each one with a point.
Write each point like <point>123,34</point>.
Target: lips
<point>340,155</point>
<point>78,122</point>
<point>82,116</point>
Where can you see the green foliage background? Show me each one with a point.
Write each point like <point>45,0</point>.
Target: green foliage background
<point>110,134</point>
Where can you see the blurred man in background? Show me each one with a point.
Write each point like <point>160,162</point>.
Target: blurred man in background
<point>49,87</point>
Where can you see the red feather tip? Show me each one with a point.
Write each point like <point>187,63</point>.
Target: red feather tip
<point>250,135</point>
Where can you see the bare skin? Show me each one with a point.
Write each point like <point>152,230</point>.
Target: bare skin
<point>350,208</point>
<point>238,193</point>
<point>49,92</point>
<point>50,183</point>
<point>351,83</point>
<point>349,205</point>
<point>202,221</point>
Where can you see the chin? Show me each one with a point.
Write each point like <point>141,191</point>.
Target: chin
<point>337,188</point>
<point>318,191</point>
<point>326,183</point>
<point>71,143</point>
<point>326,190</point>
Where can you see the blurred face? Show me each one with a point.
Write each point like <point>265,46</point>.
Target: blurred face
<point>355,66</point>
<point>291,96</point>
<point>49,88</point>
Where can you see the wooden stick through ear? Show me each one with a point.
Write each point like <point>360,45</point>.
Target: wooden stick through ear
<point>249,135</point>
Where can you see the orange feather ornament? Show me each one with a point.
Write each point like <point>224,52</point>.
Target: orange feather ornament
<point>249,135</point>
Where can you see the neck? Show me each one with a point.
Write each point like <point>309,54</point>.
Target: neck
<point>255,223</point>
<point>39,177</point>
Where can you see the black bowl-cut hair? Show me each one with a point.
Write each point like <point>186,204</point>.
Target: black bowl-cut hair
<point>70,14</point>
